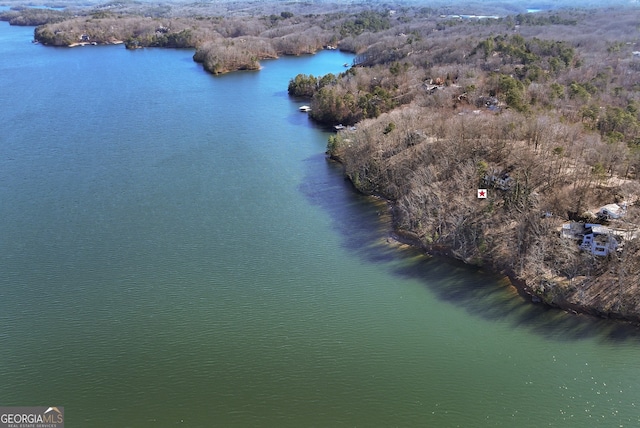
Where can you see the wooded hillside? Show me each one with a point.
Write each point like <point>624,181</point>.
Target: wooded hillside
<point>542,112</point>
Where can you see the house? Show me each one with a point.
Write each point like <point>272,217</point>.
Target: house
<point>433,85</point>
<point>612,211</point>
<point>488,102</point>
<point>599,240</point>
<point>500,180</point>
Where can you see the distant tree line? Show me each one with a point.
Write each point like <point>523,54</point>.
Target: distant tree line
<point>246,39</point>
<point>33,16</point>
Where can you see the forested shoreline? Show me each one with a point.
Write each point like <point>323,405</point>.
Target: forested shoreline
<point>540,109</point>
<point>235,41</point>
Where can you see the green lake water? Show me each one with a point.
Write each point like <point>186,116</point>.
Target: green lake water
<point>175,250</point>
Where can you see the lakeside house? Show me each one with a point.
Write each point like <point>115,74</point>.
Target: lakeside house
<point>612,211</point>
<point>598,239</point>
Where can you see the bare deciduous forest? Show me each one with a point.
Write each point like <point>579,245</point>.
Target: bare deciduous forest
<point>540,109</point>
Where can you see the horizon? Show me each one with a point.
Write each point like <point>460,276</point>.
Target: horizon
<point>478,7</point>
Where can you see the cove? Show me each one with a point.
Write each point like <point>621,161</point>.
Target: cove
<point>176,250</point>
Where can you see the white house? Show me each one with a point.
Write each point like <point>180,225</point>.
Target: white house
<point>598,239</point>
<point>612,211</point>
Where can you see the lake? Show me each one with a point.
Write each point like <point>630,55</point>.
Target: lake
<point>176,250</point>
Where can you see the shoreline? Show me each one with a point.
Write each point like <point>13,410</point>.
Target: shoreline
<point>405,237</point>
<point>80,44</point>
<point>520,285</point>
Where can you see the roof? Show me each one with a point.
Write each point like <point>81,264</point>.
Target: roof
<point>613,209</point>
<point>598,229</point>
